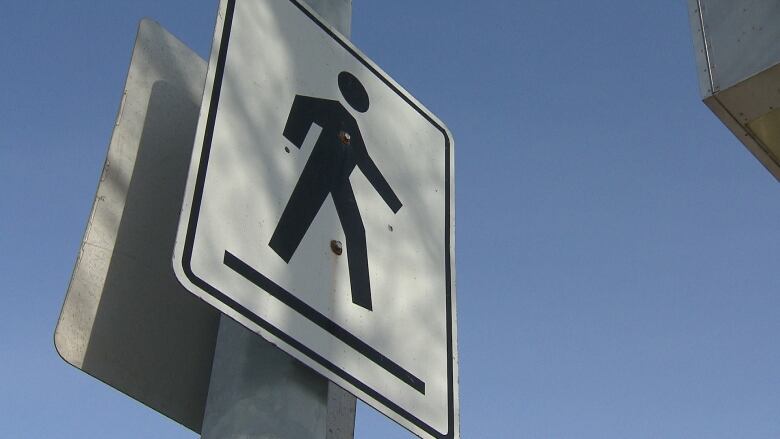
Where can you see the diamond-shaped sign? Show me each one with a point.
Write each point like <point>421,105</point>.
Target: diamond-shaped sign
<point>319,212</point>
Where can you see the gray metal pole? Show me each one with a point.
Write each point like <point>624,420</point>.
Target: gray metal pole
<point>259,392</point>
<point>336,12</point>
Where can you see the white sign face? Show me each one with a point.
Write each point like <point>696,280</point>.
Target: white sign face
<point>319,212</point>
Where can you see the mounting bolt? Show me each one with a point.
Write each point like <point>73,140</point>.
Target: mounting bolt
<point>344,137</point>
<point>336,247</point>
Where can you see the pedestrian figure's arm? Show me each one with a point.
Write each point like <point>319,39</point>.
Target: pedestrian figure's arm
<point>302,114</point>
<point>375,177</point>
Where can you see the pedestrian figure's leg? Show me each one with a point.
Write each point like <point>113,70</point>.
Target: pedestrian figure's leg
<point>305,201</point>
<point>357,253</point>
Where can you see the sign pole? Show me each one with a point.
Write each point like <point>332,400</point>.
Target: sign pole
<point>257,390</point>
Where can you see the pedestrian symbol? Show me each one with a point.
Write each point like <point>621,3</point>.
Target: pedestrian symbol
<point>338,150</point>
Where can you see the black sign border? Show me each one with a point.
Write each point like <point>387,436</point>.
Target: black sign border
<point>276,332</point>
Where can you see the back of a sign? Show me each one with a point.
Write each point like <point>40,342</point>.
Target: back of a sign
<point>126,320</point>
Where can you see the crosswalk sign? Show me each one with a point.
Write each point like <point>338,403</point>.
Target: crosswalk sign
<point>319,212</point>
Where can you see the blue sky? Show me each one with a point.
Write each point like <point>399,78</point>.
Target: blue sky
<point>616,245</point>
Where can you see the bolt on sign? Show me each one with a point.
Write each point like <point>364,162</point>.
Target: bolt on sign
<point>319,212</point>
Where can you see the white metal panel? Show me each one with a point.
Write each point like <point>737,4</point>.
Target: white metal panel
<point>740,38</point>
<point>700,47</point>
<point>399,354</point>
<point>126,320</point>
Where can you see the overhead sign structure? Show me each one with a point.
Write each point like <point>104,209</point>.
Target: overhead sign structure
<point>319,212</point>
<point>739,70</point>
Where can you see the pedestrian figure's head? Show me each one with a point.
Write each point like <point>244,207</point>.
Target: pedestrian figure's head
<point>353,91</point>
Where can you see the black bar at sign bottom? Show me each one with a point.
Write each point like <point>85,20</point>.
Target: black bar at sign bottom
<point>266,284</point>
